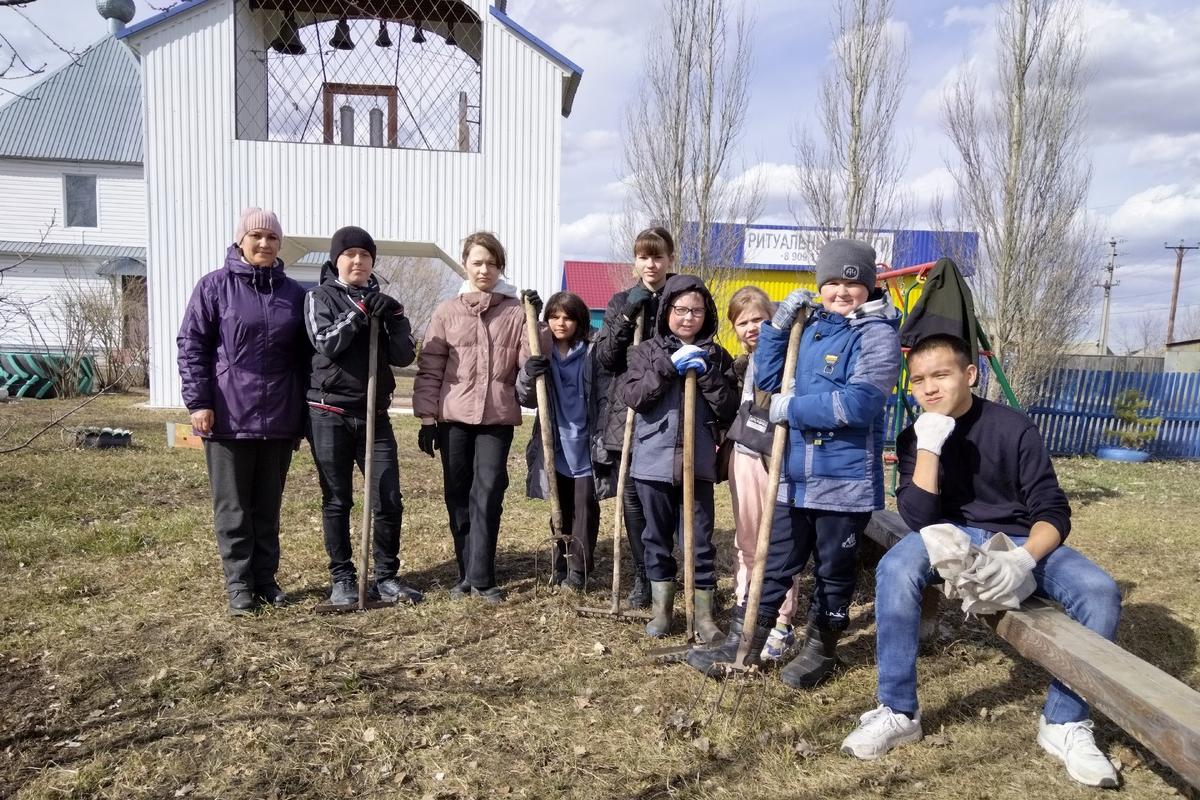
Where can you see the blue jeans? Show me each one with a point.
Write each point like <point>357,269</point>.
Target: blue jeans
<point>1066,576</point>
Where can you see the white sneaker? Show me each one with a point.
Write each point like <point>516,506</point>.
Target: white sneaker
<point>878,731</point>
<point>1074,744</point>
<point>777,644</point>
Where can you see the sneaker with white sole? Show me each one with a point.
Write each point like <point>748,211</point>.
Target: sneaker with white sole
<point>779,641</point>
<point>1074,744</point>
<point>878,731</point>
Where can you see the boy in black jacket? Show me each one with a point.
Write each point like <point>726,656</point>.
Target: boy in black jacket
<point>653,387</point>
<point>337,317</point>
<point>984,468</point>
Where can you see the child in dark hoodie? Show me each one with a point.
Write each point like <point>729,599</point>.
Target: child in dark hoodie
<point>337,316</point>
<point>653,387</point>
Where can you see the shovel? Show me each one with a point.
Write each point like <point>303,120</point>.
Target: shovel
<point>547,431</point>
<point>614,611</point>
<point>364,549</point>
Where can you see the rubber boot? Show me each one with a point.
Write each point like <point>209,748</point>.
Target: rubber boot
<point>639,595</point>
<point>708,660</point>
<point>706,628</point>
<point>817,660</point>
<point>662,595</point>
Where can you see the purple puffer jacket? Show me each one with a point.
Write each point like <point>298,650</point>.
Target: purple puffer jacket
<point>243,351</point>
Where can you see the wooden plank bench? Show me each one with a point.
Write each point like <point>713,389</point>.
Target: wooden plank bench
<point>1156,709</point>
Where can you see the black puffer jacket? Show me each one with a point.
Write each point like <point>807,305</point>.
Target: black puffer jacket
<point>338,328</point>
<point>612,345</point>
<point>653,387</point>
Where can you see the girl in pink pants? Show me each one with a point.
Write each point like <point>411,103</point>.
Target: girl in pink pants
<point>748,309</point>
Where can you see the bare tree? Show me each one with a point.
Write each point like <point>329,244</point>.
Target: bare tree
<point>419,284</point>
<point>1021,177</point>
<point>1144,336</point>
<point>681,132</point>
<point>14,65</point>
<point>850,178</point>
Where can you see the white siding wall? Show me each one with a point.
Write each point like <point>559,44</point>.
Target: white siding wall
<point>38,285</point>
<point>198,175</point>
<point>31,195</point>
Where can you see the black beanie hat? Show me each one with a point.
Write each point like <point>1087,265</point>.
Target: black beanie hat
<point>348,237</point>
<point>846,259</point>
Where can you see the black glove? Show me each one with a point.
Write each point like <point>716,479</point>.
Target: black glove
<point>381,305</point>
<point>427,439</point>
<point>531,296</point>
<point>637,297</point>
<point>537,365</point>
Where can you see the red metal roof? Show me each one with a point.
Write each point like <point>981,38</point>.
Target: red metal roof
<point>596,281</point>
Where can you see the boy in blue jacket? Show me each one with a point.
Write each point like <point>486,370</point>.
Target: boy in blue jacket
<point>833,480</point>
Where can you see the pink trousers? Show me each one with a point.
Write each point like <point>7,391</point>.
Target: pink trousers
<point>747,478</point>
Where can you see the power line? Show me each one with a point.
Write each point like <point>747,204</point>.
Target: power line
<point>1179,249</point>
<point>1151,309</point>
<point>1107,285</point>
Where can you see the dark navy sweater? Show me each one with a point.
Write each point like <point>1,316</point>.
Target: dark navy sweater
<point>995,474</point>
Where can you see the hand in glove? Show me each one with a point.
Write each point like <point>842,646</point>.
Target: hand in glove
<point>637,297</point>
<point>689,357</point>
<point>537,365</point>
<point>1003,573</point>
<point>427,439</point>
<point>531,296</point>
<point>384,306</point>
<point>780,403</point>
<point>932,430</point>
<point>789,308</point>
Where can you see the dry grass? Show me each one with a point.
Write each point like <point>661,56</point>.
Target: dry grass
<point>123,678</point>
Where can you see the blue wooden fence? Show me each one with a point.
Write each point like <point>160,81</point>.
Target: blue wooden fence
<point>1074,410</point>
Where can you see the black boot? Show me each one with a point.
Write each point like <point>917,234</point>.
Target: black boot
<point>639,595</point>
<point>817,660</point>
<point>708,660</point>
<point>241,603</point>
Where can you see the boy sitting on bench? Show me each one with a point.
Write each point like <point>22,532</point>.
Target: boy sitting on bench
<point>982,467</point>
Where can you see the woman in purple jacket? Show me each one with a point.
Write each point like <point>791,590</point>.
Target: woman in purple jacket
<point>243,363</point>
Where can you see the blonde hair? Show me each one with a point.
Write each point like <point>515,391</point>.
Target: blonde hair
<point>749,297</point>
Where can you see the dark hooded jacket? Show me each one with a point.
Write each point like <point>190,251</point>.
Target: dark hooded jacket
<point>654,389</point>
<point>612,345</point>
<point>338,327</point>
<point>944,307</point>
<point>242,351</point>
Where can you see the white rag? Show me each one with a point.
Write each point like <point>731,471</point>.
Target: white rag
<point>957,560</point>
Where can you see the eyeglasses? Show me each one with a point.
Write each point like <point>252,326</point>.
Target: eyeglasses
<point>683,312</point>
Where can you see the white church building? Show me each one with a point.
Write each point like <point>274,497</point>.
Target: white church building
<point>419,120</point>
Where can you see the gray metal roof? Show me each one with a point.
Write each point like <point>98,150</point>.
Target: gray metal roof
<point>86,111</point>
<point>71,249</point>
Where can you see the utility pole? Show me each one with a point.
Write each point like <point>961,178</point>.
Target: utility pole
<point>1179,249</point>
<point>1109,283</point>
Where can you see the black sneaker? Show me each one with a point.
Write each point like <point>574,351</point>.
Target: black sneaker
<point>272,595</point>
<point>241,603</point>
<point>574,582</point>
<point>639,595</point>
<point>344,593</point>
<point>492,596</point>
<point>391,590</point>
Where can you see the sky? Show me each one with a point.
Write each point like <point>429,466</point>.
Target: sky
<point>1143,128</point>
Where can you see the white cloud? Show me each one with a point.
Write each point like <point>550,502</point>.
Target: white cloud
<point>589,144</point>
<point>1163,148</point>
<point>589,237</point>
<point>973,16</point>
<point>1158,213</point>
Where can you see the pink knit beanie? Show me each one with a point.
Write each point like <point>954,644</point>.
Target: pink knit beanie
<point>253,219</point>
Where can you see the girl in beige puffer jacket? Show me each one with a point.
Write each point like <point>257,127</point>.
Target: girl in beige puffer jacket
<point>465,396</point>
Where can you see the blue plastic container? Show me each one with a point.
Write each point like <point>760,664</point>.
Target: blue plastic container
<point>1122,454</point>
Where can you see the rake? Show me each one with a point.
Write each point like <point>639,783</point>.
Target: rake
<point>614,611</point>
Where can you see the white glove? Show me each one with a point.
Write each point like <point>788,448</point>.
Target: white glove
<point>685,352</point>
<point>789,308</point>
<point>932,430</point>
<point>1003,573</point>
<point>779,408</point>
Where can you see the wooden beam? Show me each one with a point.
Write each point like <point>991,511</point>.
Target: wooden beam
<point>1156,709</point>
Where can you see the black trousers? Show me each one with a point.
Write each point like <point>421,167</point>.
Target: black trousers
<point>581,519</point>
<point>339,445</point>
<point>831,539</point>
<point>635,524</point>
<point>663,505</point>
<point>474,479</point>
<point>247,477</point>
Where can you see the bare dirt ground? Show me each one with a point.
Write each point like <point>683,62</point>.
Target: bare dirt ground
<point>121,676</point>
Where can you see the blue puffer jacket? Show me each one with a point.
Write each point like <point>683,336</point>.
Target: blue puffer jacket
<point>846,371</point>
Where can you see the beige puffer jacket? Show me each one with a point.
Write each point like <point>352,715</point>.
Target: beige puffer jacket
<point>467,370</point>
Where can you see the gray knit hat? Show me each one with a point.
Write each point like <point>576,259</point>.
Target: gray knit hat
<point>846,260</point>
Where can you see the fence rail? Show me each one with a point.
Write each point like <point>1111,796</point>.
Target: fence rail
<point>1075,410</point>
